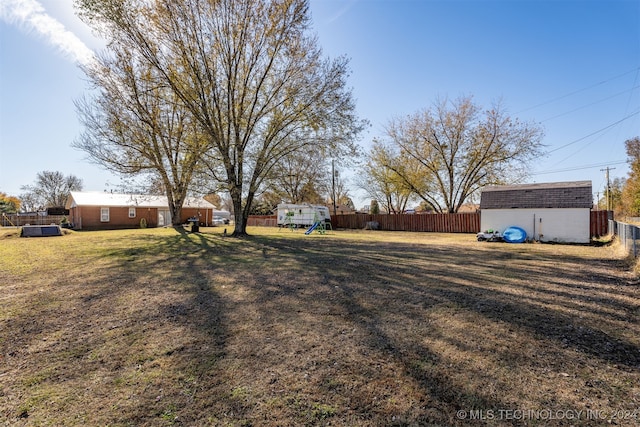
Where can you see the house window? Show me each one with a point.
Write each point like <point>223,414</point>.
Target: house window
<point>104,214</point>
<point>132,212</point>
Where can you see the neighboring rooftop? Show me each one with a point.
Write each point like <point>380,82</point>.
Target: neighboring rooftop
<point>570,194</point>
<point>99,198</point>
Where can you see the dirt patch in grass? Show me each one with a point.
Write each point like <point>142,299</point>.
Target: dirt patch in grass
<point>161,327</point>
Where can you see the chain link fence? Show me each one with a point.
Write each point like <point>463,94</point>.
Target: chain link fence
<point>628,234</point>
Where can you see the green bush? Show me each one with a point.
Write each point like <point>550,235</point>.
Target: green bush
<point>374,209</point>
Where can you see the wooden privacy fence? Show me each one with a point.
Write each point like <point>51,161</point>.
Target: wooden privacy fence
<point>442,223</point>
<point>438,223</point>
<point>600,223</point>
<point>18,220</point>
<point>262,221</point>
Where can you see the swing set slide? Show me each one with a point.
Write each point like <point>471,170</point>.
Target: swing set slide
<point>313,227</point>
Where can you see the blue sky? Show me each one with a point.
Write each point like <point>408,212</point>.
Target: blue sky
<point>573,66</point>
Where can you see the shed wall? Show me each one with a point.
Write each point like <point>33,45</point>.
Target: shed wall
<point>571,225</point>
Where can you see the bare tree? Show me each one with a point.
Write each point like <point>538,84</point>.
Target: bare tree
<point>249,74</point>
<point>136,125</point>
<point>340,189</point>
<point>299,177</point>
<point>381,181</point>
<point>29,202</point>
<point>51,189</point>
<point>458,150</point>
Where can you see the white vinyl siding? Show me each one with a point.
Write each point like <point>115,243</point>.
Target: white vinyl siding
<point>569,225</point>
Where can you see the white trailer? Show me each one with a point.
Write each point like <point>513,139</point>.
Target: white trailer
<point>291,215</point>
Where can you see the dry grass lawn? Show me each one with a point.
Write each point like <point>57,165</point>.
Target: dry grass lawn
<point>158,327</point>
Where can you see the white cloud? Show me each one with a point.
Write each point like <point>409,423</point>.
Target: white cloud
<point>31,16</point>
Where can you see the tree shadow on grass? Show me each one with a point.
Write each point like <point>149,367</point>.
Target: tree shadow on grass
<point>460,286</point>
<point>189,325</point>
<point>194,329</point>
<point>133,343</point>
<point>374,287</point>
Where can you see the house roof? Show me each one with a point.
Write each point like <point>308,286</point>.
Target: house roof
<point>98,198</point>
<point>570,194</point>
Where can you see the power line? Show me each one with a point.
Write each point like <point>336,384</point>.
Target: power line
<point>635,80</point>
<point>598,165</point>
<point>585,146</point>
<point>579,90</point>
<point>594,133</point>
<point>591,104</point>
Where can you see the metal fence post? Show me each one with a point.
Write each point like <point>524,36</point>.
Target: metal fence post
<point>626,238</point>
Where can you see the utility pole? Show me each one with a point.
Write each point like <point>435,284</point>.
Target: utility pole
<point>333,186</point>
<point>608,189</point>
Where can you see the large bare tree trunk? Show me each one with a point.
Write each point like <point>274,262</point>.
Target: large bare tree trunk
<point>245,71</point>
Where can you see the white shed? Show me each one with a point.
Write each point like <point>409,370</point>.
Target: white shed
<point>548,212</point>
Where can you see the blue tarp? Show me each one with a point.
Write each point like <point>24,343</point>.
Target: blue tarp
<point>514,235</point>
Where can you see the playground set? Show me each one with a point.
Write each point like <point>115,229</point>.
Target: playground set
<point>312,217</point>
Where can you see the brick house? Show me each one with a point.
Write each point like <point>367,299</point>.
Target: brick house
<point>93,210</point>
<point>548,212</point>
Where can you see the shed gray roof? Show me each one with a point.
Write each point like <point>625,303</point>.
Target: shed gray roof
<point>572,194</point>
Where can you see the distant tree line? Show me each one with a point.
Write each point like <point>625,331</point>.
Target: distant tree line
<point>622,195</point>
<point>51,189</point>
<point>9,204</point>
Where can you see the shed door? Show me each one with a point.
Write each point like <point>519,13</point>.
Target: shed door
<point>164,217</point>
